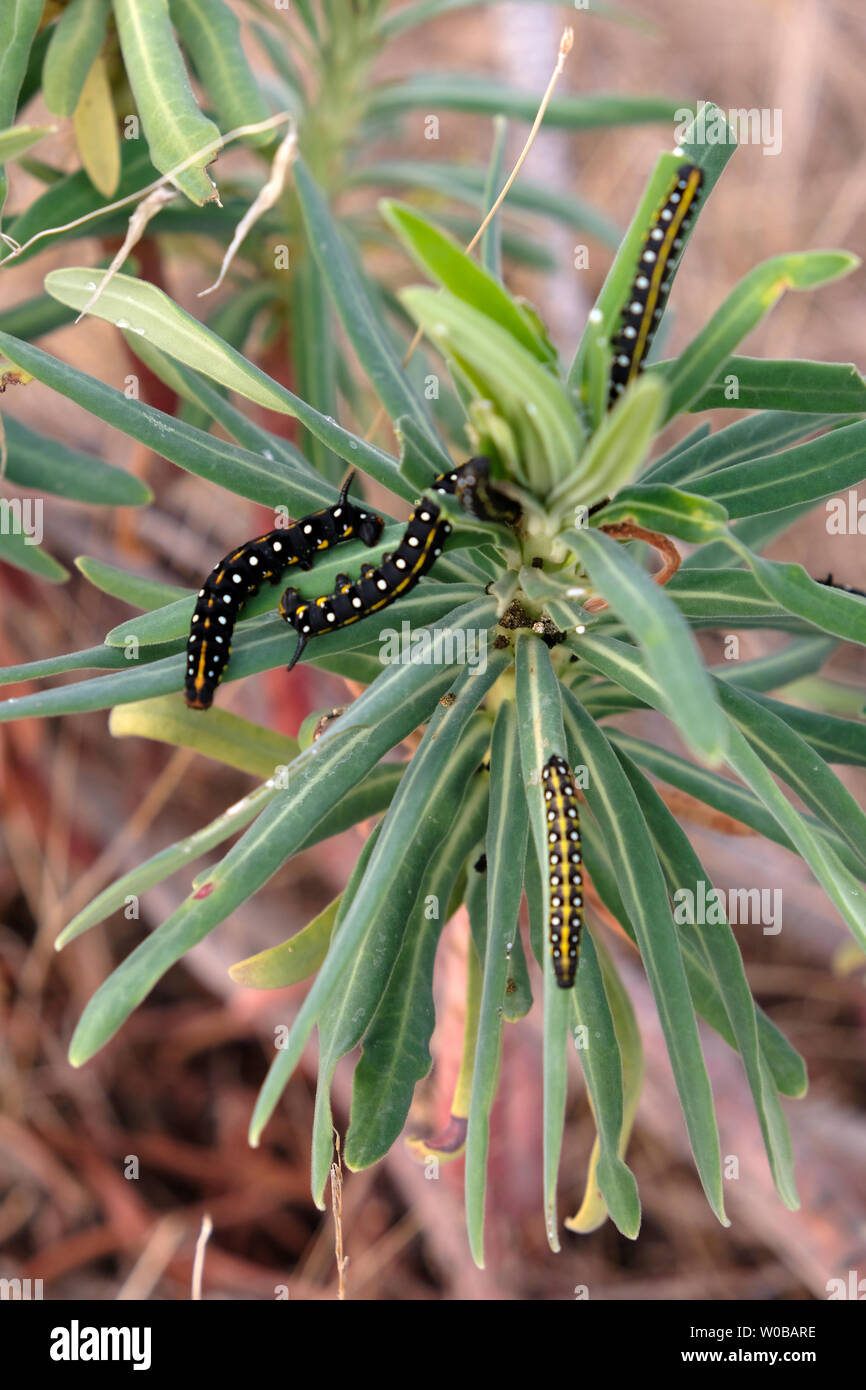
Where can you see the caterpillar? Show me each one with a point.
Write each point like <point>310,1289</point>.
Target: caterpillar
<point>651,286</point>
<point>563,868</point>
<point>241,574</point>
<point>846,588</point>
<point>400,570</point>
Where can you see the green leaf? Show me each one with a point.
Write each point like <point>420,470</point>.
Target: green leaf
<point>615,808</point>
<point>19,138</point>
<point>387,874</point>
<point>466,184</point>
<point>660,507</point>
<point>72,50</point>
<point>599,1053</point>
<point>742,311</point>
<point>314,354</point>
<point>132,588</point>
<point>377,721</point>
<point>444,261</point>
<point>257,647</point>
<point>211,35</point>
<point>357,313</point>
<point>19,20</point>
<point>295,959</point>
<point>718,947</point>
<point>807,473</point>
<point>832,610</point>
<point>174,127</point>
<point>30,318</point>
<point>265,480</point>
<point>794,760</point>
<point>145,310</point>
<point>470,92</point>
<point>664,638</point>
<point>222,735</point>
<point>593,1210</point>
<point>617,449</point>
<point>800,658</point>
<point>491,238</point>
<point>45,465</point>
<point>719,598</point>
<point>755,437</point>
<point>167,862</point>
<point>396,1045</point>
<point>18,550</point>
<point>624,664</point>
<point>505,847</point>
<point>726,796</point>
<point>759,383</point>
<point>368,798</point>
<point>787,1067</point>
<point>99,658</point>
<point>837,740</point>
<point>523,392</point>
<point>337,1031</point>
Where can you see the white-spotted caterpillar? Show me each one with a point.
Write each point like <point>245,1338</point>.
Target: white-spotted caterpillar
<point>564,879</point>
<point>241,574</point>
<point>651,286</point>
<point>400,570</point>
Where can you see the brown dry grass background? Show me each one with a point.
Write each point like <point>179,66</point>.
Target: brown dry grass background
<point>176,1087</point>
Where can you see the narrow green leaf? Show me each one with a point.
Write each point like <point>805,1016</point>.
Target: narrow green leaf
<point>19,20</point>
<point>174,127</point>
<point>455,91</point>
<point>18,550</point>
<point>145,310</point>
<point>142,593</point>
<point>505,847</point>
<point>211,35</point>
<point>444,261</point>
<point>265,480</point>
<point>441,737</point>
<point>759,383</point>
<point>72,50</point>
<point>742,311</point>
<point>396,1045</point>
<point>526,395</point>
<point>466,184</point>
<point>664,638</point>
<point>45,465</point>
<point>807,473</point>
<point>18,138</point>
<point>314,354</point>
<point>717,944</point>
<point>617,449</point>
<point>792,588</point>
<point>667,509</point>
<point>755,437</point>
<point>353,304</point>
<point>295,959</point>
<point>599,1052</point>
<point>640,880</point>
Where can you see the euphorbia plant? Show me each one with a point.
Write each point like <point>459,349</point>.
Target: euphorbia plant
<point>574,631</point>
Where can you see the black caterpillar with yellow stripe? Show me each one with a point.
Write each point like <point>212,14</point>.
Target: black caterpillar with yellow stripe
<point>241,574</point>
<point>400,570</point>
<point>564,879</point>
<point>651,286</point>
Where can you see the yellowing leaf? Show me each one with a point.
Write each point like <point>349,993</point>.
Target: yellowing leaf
<point>96,131</point>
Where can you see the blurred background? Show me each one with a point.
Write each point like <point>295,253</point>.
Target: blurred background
<point>176,1087</point>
